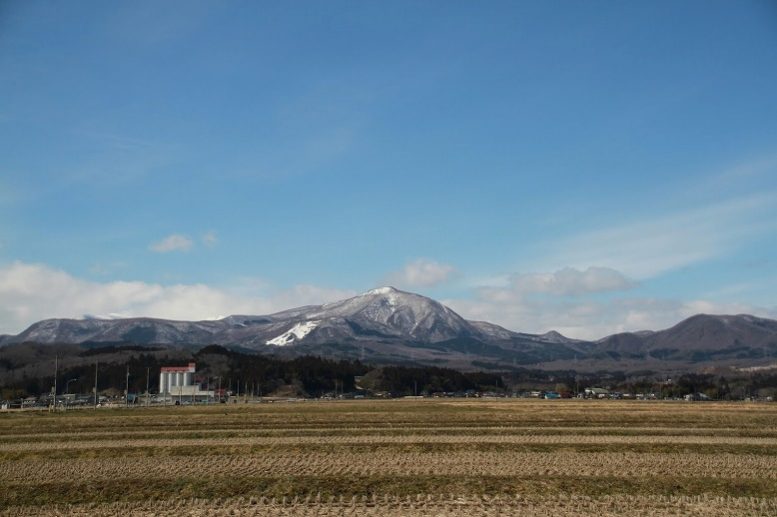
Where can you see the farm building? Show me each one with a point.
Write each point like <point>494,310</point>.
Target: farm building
<point>178,382</point>
<point>597,393</point>
<point>173,379</point>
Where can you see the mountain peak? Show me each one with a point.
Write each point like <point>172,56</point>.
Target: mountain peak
<point>388,311</point>
<point>383,290</point>
<point>554,336</point>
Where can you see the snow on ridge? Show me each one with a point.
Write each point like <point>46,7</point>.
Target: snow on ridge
<point>298,331</point>
<point>382,290</point>
<point>105,317</point>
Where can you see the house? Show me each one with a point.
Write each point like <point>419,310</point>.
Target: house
<point>597,393</point>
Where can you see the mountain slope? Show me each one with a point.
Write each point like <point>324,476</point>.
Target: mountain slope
<point>137,330</point>
<point>701,337</point>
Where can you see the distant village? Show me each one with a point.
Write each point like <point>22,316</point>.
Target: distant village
<point>181,385</point>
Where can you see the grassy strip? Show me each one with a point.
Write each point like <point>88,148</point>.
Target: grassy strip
<point>378,431</point>
<point>381,413</point>
<point>162,421</point>
<point>130,490</point>
<point>382,448</point>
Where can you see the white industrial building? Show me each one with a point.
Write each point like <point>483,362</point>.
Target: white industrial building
<point>176,379</point>
<point>176,384</point>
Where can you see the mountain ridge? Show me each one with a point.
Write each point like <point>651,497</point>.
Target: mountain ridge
<point>393,326</point>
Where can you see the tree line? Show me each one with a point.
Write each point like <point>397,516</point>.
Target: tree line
<point>239,372</point>
<point>316,376</point>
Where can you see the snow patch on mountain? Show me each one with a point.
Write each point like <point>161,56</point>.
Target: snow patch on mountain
<point>297,332</point>
<point>390,294</point>
<point>381,290</point>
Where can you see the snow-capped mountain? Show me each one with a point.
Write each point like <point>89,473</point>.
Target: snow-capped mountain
<point>392,312</point>
<point>137,330</point>
<point>383,323</point>
<point>385,312</point>
<point>386,325</point>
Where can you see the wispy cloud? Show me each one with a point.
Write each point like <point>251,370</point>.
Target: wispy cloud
<point>9,194</point>
<point>107,268</point>
<point>646,248</point>
<point>745,170</point>
<point>113,160</point>
<point>152,25</point>
<point>590,319</point>
<point>421,273</point>
<point>626,254</point>
<point>174,242</point>
<point>317,127</point>
<point>623,254</point>
<point>209,239</point>
<point>571,281</point>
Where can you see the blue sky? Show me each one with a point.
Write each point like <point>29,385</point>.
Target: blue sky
<point>585,166</point>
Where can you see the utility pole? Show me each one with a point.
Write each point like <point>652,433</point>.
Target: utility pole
<point>56,373</point>
<point>126,390</point>
<point>148,374</point>
<point>95,383</point>
<point>67,390</point>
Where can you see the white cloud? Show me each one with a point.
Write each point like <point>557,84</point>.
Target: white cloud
<point>31,292</point>
<point>107,268</point>
<point>624,253</point>
<point>422,273</point>
<point>210,239</point>
<point>571,281</point>
<point>174,242</point>
<point>306,294</point>
<point>588,319</point>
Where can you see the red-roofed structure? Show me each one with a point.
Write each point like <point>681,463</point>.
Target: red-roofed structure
<point>172,377</point>
<point>179,369</point>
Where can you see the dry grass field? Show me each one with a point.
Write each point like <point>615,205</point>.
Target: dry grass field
<point>402,457</point>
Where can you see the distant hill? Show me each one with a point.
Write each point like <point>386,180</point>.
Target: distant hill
<point>701,338</point>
